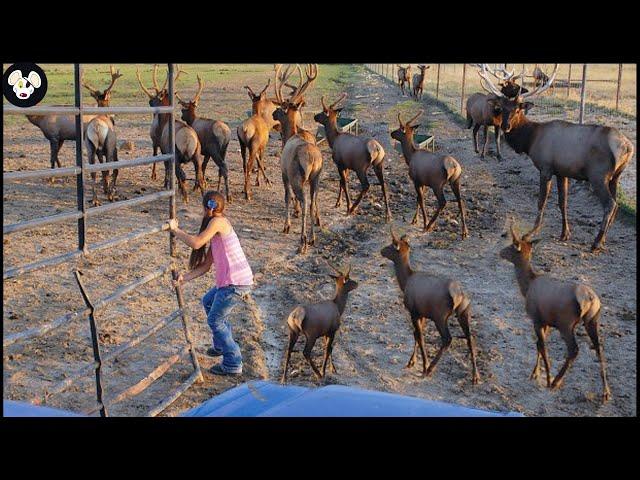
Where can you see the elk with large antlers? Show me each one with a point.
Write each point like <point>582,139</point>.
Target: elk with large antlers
<point>300,160</point>
<point>319,320</point>
<point>350,152</point>
<point>418,81</point>
<point>404,76</point>
<point>553,303</point>
<point>101,139</point>
<point>427,169</point>
<point>484,110</point>
<point>214,136</point>
<point>594,153</point>
<point>431,297</point>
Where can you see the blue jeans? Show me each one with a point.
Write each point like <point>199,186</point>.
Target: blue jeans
<point>218,304</point>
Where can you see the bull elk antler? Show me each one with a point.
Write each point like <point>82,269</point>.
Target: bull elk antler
<point>414,118</point>
<point>334,104</point>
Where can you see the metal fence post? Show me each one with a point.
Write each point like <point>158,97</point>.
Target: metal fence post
<point>82,207</point>
<point>438,83</point>
<point>569,81</point>
<point>172,173</point>
<point>583,93</point>
<point>464,74</point>
<point>619,83</point>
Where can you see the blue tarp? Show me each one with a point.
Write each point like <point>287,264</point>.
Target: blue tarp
<point>265,399</point>
<point>21,409</point>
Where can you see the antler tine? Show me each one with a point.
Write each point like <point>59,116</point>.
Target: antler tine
<point>312,74</point>
<point>348,272</point>
<point>144,89</point>
<point>415,117</point>
<point>114,76</point>
<point>265,87</point>
<point>492,88</point>
<point>324,106</point>
<point>277,87</point>
<point>180,100</point>
<point>175,79</point>
<point>250,90</point>
<point>542,88</point>
<point>86,85</point>
<point>155,79</point>
<point>196,99</point>
<point>335,104</point>
<point>400,121</point>
<point>333,267</point>
<point>393,233</point>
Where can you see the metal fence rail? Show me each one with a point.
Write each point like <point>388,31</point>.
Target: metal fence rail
<point>81,214</point>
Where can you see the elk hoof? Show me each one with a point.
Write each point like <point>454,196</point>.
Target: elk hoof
<point>556,384</point>
<point>565,236</point>
<point>476,379</point>
<point>499,157</point>
<point>606,395</point>
<point>414,221</point>
<point>534,375</point>
<point>387,217</point>
<point>597,248</point>
<point>95,202</point>
<point>465,234</point>
<point>286,229</point>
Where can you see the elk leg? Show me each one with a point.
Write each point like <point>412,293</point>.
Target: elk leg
<point>299,193</point>
<point>260,160</point>
<point>572,353</point>
<point>247,174</point>
<point>592,329</point>
<point>609,205</point>
<point>542,351</point>
<point>293,338</point>
<point>563,192</point>
<point>287,200</point>
<point>455,186</point>
<point>464,318</point>
<point>364,185</point>
<point>442,202</point>
<point>328,350</point>
<point>419,204</point>
<point>377,168</point>
<point>443,330</point>
<point>496,131</point>
<point>545,188</point>
<point>167,182</point>
<point>476,128</point>
<point>485,131</point>
<point>308,347</point>
<point>315,183</point>
<point>312,208</point>
<point>613,188</point>
<point>153,168</point>
<point>182,181</point>
<point>416,329</point>
<point>340,189</point>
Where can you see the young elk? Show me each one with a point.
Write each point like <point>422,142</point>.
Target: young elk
<point>253,135</point>
<point>352,153</point>
<point>418,81</point>
<point>430,297</point>
<point>584,152</point>
<point>214,136</point>
<point>101,139</point>
<point>319,320</point>
<point>300,160</point>
<point>484,110</point>
<point>558,304</point>
<point>429,170</point>
<point>404,76</point>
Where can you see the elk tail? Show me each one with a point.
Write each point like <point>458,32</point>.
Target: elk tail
<point>589,305</point>
<point>294,321</point>
<point>460,299</point>
<point>376,152</point>
<point>452,168</point>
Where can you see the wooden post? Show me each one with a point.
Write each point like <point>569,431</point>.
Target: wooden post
<point>619,83</point>
<point>569,81</point>
<point>583,93</point>
<point>464,74</point>
<point>438,83</point>
<point>96,345</point>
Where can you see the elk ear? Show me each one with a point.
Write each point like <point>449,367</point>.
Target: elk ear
<point>415,127</point>
<point>14,77</point>
<point>526,106</point>
<point>34,78</point>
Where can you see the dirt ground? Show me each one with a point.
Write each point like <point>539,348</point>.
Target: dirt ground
<point>375,339</point>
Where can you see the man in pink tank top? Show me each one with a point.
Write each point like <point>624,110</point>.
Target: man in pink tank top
<point>234,278</point>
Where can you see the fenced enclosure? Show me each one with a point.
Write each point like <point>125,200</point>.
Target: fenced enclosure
<point>81,213</point>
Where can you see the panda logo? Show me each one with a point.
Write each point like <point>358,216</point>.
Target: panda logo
<point>24,84</point>
<point>23,87</point>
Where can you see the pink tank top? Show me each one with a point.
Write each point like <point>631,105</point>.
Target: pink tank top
<point>231,265</point>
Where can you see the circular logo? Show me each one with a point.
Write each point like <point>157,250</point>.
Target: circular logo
<point>24,84</point>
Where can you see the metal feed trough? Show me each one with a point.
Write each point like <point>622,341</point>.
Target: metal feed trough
<point>426,141</point>
<point>81,213</point>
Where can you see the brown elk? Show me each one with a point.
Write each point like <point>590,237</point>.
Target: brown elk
<point>214,136</point>
<point>431,297</point>
<point>350,152</point>
<point>427,169</point>
<point>552,303</point>
<point>319,320</point>
<point>539,77</point>
<point>404,76</point>
<point>101,139</point>
<point>594,153</point>
<point>300,160</point>
<point>253,135</point>
<point>484,110</point>
<point>159,98</point>
<point>418,81</point>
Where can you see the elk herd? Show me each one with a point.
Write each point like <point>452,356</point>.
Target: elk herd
<point>595,153</point>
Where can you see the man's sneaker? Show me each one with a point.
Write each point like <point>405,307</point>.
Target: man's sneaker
<point>212,352</point>
<point>221,370</point>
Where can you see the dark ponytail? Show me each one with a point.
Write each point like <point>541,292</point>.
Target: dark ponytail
<point>198,255</point>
